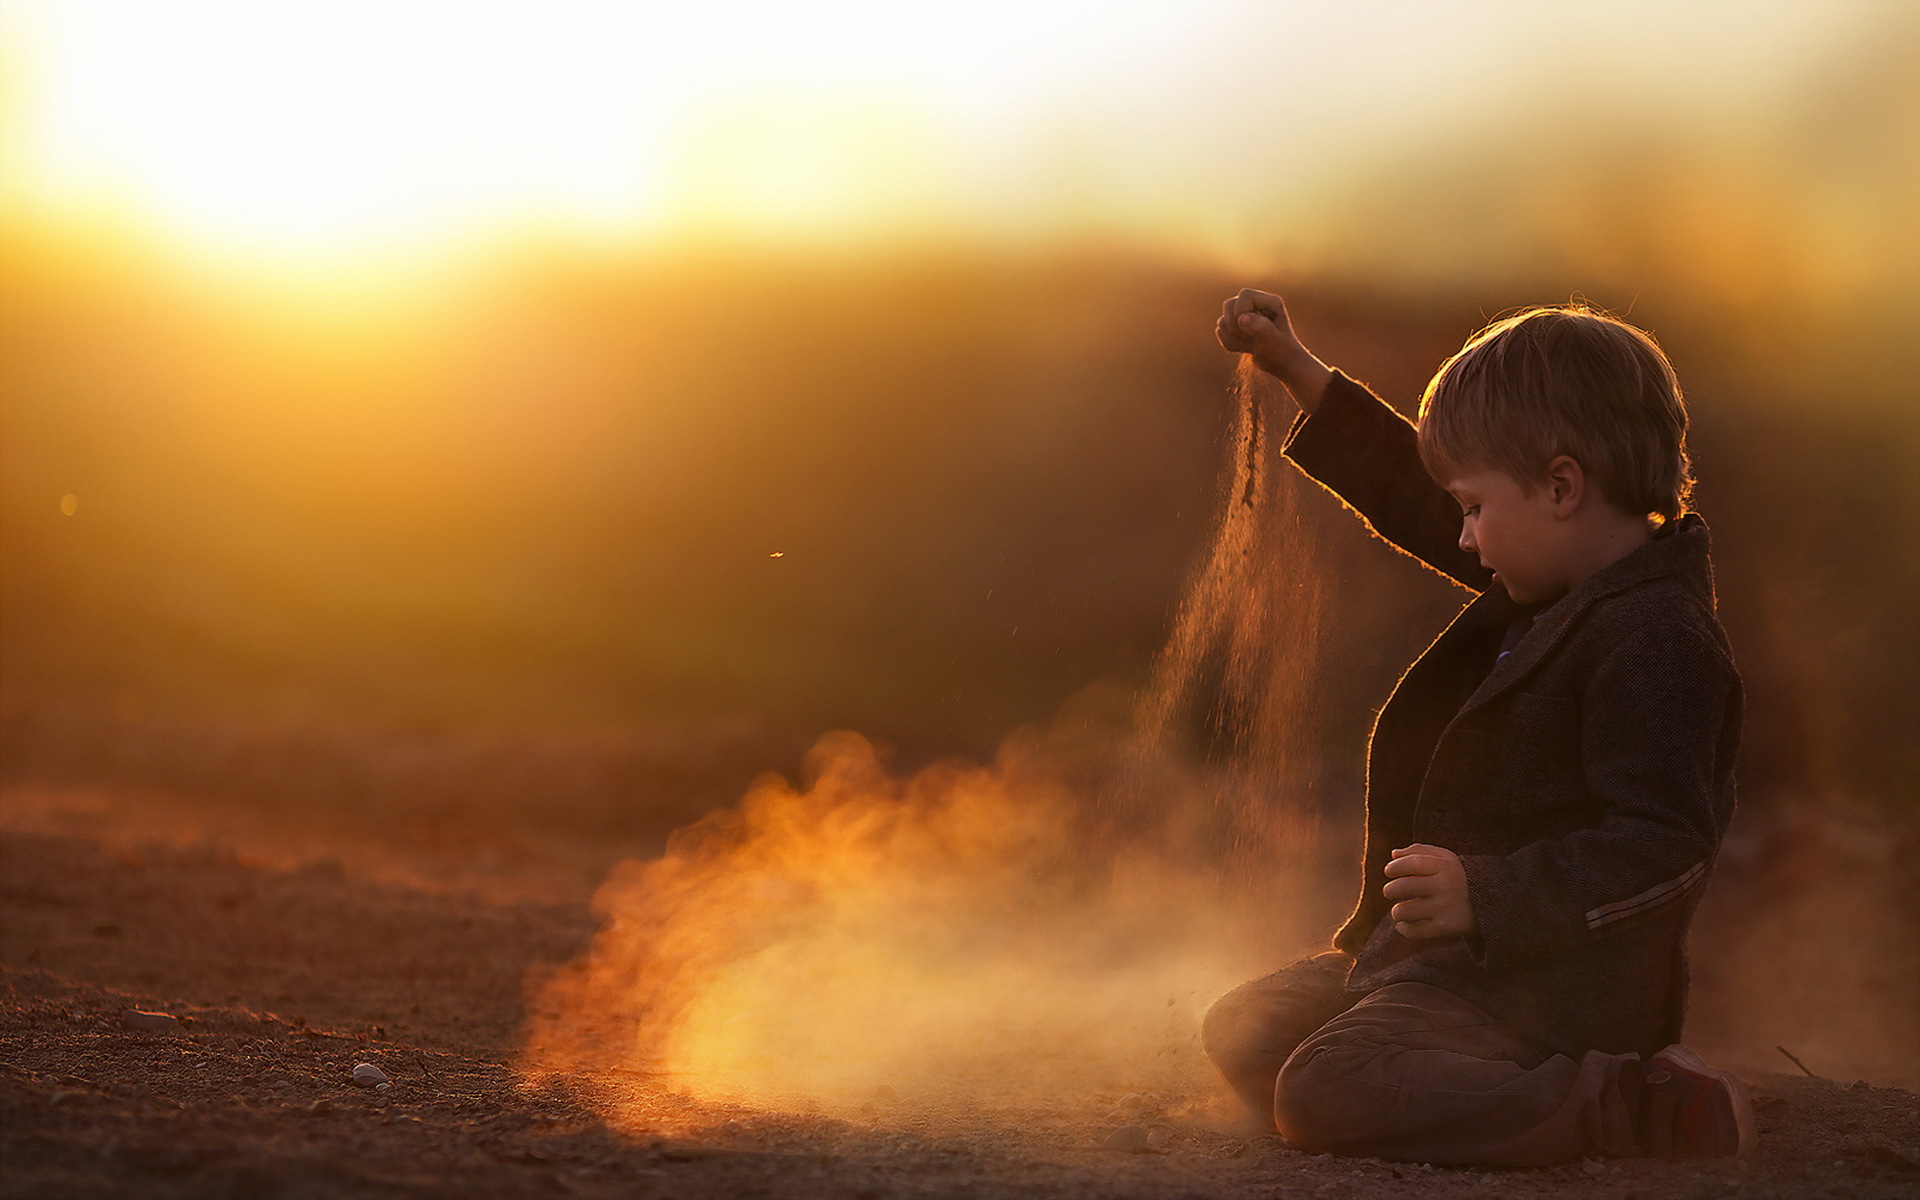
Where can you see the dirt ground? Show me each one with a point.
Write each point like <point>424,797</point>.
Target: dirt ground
<point>286,970</point>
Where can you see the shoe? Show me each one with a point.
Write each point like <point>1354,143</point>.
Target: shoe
<point>1692,1110</point>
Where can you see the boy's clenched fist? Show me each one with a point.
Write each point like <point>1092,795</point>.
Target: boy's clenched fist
<point>1255,323</point>
<point>1429,889</point>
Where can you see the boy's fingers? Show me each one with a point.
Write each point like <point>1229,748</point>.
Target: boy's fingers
<point>1265,303</point>
<point>1232,340</point>
<point>1256,327</point>
<point>1412,864</point>
<point>1238,307</point>
<point>1228,330</point>
<point>1422,909</point>
<point>1408,888</point>
<point>1253,315</point>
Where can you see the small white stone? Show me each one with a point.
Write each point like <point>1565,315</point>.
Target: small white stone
<point>1157,1138</point>
<point>382,1087</point>
<point>148,1022</point>
<point>368,1075</point>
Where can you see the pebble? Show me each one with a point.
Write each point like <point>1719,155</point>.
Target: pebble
<point>1132,1139</point>
<point>1594,1167</point>
<point>1158,1138</point>
<point>1131,1102</point>
<point>368,1075</point>
<point>148,1022</point>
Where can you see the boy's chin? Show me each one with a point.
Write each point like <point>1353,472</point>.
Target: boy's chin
<point>1519,595</point>
<point>1532,597</point>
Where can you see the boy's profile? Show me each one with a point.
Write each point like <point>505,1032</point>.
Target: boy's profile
<point>1547,786</point>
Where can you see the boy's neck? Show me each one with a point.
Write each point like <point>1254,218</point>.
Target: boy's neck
<point>1609,535</point>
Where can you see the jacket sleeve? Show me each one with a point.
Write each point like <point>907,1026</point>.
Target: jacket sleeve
<point>1655,721</point>
<point>1363,451</point>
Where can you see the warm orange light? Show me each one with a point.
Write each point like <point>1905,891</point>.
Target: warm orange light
<point>340,134</point>
<point>315,128</point>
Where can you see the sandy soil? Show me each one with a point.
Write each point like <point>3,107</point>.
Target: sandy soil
<point>286,970</point>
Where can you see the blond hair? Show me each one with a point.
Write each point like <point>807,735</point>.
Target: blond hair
<point>1563,380</point>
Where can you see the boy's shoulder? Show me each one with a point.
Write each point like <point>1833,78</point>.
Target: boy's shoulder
<point>1661,593</point>
<point>1649,615</point>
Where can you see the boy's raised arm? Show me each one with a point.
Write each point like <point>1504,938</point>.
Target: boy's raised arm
<point>1352,443</point>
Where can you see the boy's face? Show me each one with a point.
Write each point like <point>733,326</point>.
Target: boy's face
<point>1515,533</point>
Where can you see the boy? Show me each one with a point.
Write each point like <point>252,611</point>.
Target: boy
<point>1547,786</point>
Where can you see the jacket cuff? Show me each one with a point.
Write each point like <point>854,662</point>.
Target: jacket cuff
<point>1512,926</point>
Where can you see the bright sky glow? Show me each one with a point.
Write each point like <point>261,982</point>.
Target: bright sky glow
<point>324,128</point>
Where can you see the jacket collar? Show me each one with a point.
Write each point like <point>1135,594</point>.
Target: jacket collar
<point>1681,549</point>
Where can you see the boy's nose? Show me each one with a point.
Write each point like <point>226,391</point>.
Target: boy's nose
<point>1466,539</point>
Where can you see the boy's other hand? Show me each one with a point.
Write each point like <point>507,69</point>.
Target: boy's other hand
<point>1429,889</point>
<point>1255,322</point>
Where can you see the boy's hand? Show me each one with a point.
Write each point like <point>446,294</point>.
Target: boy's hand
<point>1255,323</point>
<point>1429,889</point>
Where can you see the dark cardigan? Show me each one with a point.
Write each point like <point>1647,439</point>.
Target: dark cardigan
<point>1585,781</point>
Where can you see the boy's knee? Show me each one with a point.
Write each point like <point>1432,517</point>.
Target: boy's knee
<point>1321,1096</point>
<point>1230,1028</point>
<point>1264,1019</point>
<point>1293,1098</point>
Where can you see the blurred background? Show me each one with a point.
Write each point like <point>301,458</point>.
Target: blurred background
<point>440,413</point>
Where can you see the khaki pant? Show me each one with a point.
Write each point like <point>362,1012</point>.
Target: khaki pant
<point>1409,1072</point>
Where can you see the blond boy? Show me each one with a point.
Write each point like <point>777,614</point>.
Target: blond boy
<point>1547,786</point>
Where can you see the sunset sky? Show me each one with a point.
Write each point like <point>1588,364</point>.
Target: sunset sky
<point>327,130</point>
<point>417,354</point>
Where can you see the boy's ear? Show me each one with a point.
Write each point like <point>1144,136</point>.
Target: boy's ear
<point>1566,485</point>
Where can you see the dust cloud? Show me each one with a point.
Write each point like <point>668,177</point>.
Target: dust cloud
<point>1051,922</point>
